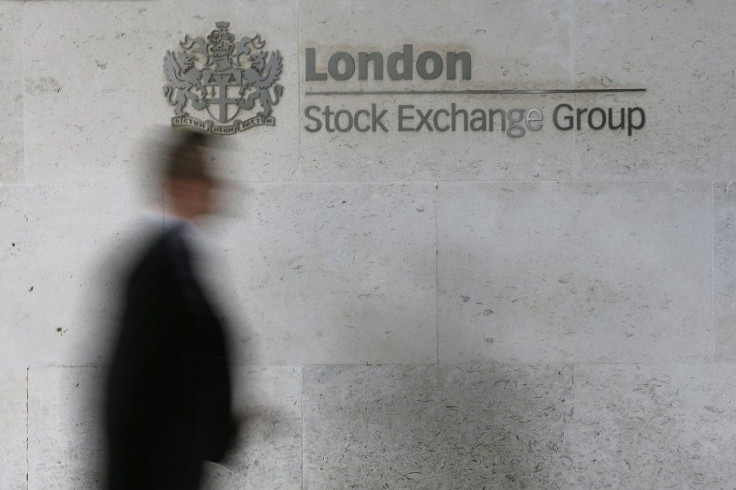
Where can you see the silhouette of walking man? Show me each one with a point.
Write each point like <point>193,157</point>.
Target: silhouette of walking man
<point>168,396</point>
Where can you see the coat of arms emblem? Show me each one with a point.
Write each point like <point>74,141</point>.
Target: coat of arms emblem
<point>224,79</point>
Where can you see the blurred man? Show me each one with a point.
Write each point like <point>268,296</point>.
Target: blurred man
<point>168,392</point>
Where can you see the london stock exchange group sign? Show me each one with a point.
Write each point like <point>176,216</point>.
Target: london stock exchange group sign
<point>223,80</point>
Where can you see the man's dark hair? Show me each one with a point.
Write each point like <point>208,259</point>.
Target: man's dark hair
<point>186,157</point>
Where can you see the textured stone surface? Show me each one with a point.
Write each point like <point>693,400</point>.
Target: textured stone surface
<point>332,273</point>
<point>493,426</point>
<point>682,53</point>
<point>574,271</point>
<point>61,249</point>
<point>328,244</point>
<point>724,269</point>
<point>66,444</point>
<point>534,53</point>
<point>89,114</point>
<point>665,426</point>
<point>13,429</point>
<point>11,85</point>
<point>269,451</point>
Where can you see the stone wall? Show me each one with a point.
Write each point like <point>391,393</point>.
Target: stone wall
<point>410,309</point>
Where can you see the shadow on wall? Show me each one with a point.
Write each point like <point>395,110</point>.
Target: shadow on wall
<point>468,426</point>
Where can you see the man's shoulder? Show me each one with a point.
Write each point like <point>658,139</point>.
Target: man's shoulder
<point>155,253</point>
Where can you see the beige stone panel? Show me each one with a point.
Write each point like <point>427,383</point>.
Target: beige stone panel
<point>11,86</point>
<point>329,273</point>
<point>62,252</point>
<point>465,426</point>
<point>579,272</point>
<point>13,427</point>
<point>513,45</point>
<point>66,445</point>
<point>683,54</point>
<point>268,452</point>
<point>724,269</point>
<point>88,116</point>
<point>654,426</point>
<point>522,43</point>
<point>432,155</point>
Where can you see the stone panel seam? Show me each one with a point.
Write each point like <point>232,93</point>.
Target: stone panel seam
<point>540,362</point>
<point>572,78</point>
<point>28,416</point>
<point>55,365</point>
<point>301,412</point>
<point>560,181</point>
<point>572,426</point>
<point>298,163</point>
<point>418,182</point>
<point>646,362</point>
<point>573,12</point>
<point>713,266</point>
<point>298,88</point>
<point>573,156</point>
<point>23,94</point>
<point>436,270</point>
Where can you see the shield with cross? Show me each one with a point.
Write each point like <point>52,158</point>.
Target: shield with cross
<point>221,89</point>
<point>224,76</point>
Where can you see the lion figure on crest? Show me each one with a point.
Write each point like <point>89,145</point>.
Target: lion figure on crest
<point>183,79</point>
<point>261,76</point>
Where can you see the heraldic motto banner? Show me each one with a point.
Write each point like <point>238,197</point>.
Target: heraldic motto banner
<point>224,78</point>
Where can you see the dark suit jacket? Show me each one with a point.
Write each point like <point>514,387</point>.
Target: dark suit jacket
<point>168,392</point>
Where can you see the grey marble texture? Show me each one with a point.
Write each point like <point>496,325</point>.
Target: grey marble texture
<point>470,25</point>
<point>724,270</point>
<point>92,112</point>
<point>62,250</point>
<point>524,61</point>
<point>536,272</point>
<point>66,444</point>
<point>65,439</point>
<point>683,54</point>
<point>13,428</point>
<point>656,426</point>
<point>491,426</point>
<point>11,103</point>
<point>421,311</point>
<point>268,453</point>
<point>331,273</point>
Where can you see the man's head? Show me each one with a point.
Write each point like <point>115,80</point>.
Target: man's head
<point>187,178</point>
